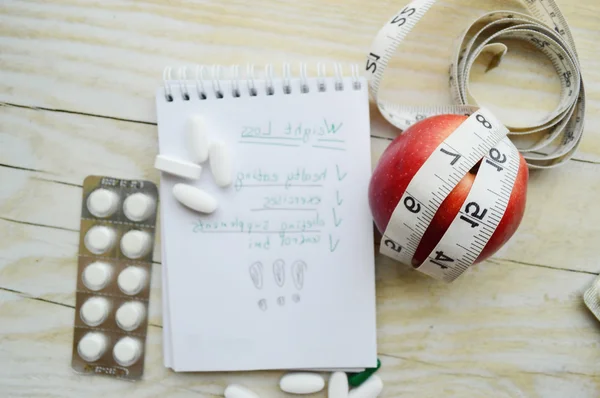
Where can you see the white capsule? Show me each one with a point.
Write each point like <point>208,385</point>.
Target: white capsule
<point>198,141</point>
<point>237,391</point>
<point>132,280</point>
<point>338,385</point>
<point>138,207</point>
<point>99,239</point>
<point>301,383</point>
<point>194,198</point>
<point>127,351</point>
<point>102,203</point>
<point>220,164</point>
<point>135,244</point>
<point>177,167</point>
<point>94,311</point>
<point>92,346</point>
<point>130,315</point>
<point>96,275</point>
<point>371,388</point>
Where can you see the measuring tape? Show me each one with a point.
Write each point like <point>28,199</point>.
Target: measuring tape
<point>482,137</point>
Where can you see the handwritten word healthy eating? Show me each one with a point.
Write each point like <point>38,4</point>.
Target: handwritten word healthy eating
<point>298,177</point>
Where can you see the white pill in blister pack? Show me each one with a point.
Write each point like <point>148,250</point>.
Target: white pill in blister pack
<point>220,164</point>
<point>135,244</point>
<point>99,239</point>
<point>338,385</point>
<point>92,346</point>
<point>132,280</point>
<point>371,388</point>
<point>194,198</point>
<point>127,351</point>
<point>94,311</point>
<point>198,141</point>
<point>237,391</point>
<point>103,203</point>
<point>96,275</point>
<point>301,383</point>
<point>178,167</point>
<point>138,207</point>
<point>130,315</point>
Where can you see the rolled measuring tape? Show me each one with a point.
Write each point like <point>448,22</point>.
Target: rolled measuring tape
<point>481,138</point>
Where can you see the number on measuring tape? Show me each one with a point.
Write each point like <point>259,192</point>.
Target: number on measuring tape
<point>497,159</point>
<point>484,122</point>
<point>473,210</point>
<point>401,18</point>
<point>372,62</point>
<point>455,156</point>
<point>412,205</point>
<point>393,245</point>
<point>441,260</point>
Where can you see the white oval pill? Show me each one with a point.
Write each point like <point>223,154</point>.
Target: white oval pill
<point>198,141</point>
<point>99,239</point>
<point>338,385</point>
<point>301,383</point>
<point>135,244</point>
<point>96,275</point>
<point>102,203</point>
<point>237,391</point>
<point>178,167</point>
<point>127,351</point>
<point>220,164</point>
<point>194,198</point>
<point>94,311</point>
<point>130,315</point>
<point>132,280</point>
<point>138,207</point>
<point>371,388</point>
<point>92,346</point>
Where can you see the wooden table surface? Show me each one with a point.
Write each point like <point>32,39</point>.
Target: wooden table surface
<point>77,83</point>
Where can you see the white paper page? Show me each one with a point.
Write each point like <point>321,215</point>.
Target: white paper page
<point>298,204</point>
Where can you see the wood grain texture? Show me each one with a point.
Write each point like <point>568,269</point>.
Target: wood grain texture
<point>514,326</point>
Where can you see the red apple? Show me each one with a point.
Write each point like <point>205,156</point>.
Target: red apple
<point>405,156</point>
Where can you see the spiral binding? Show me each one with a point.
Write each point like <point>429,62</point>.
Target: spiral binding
<point>247,85</point>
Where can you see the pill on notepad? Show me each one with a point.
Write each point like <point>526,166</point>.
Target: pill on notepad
<point>220,164</point>
<point>130,315</point>
<point>99,239</point>
<point>127,351</point>
<point>135,244</point>
<point>338,385</point>
<point>178,167</point>
<point>92,346</point>
<point>194,198</point>
<point>301,383</point>
<point>94,311</point>
<point>138,207</point>
<point>102,203</point>
<point>369,389</point>
<point>198,141</point>
<point>237,391</point>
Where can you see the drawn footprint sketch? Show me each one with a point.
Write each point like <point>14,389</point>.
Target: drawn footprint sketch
<point>279,272</point>
<point>256,274</point>
<point>298,270</point>
<point>281,301</point>
<point>262,304</point>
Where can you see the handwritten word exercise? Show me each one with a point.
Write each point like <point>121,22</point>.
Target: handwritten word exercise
<point>281,275</point>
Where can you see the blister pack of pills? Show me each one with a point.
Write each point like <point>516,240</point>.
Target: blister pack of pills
<point>118,219</point>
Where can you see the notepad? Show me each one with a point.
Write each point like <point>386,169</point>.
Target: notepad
<point>281,275</point>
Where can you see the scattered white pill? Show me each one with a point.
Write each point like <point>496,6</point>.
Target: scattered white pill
<point>220,164</point>
<point>198,141</point>
<point>138,207</point>
<point>94,311</point>
<point>178,167</point>
<point>130,315</point>
<point>301,383</point>
<point>338,385</point>
<point>135,243</point>
<point>99,239</point>
<point>96,275</point>
<point>127,351</point>
<point>132,280</point>
<point>194,198</point>
<point>371,388</point>
<point>237,391</point>
<point>103,203</point>
<point>92,346</point>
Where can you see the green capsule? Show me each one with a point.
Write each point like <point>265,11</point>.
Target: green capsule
<point>356,379</point>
